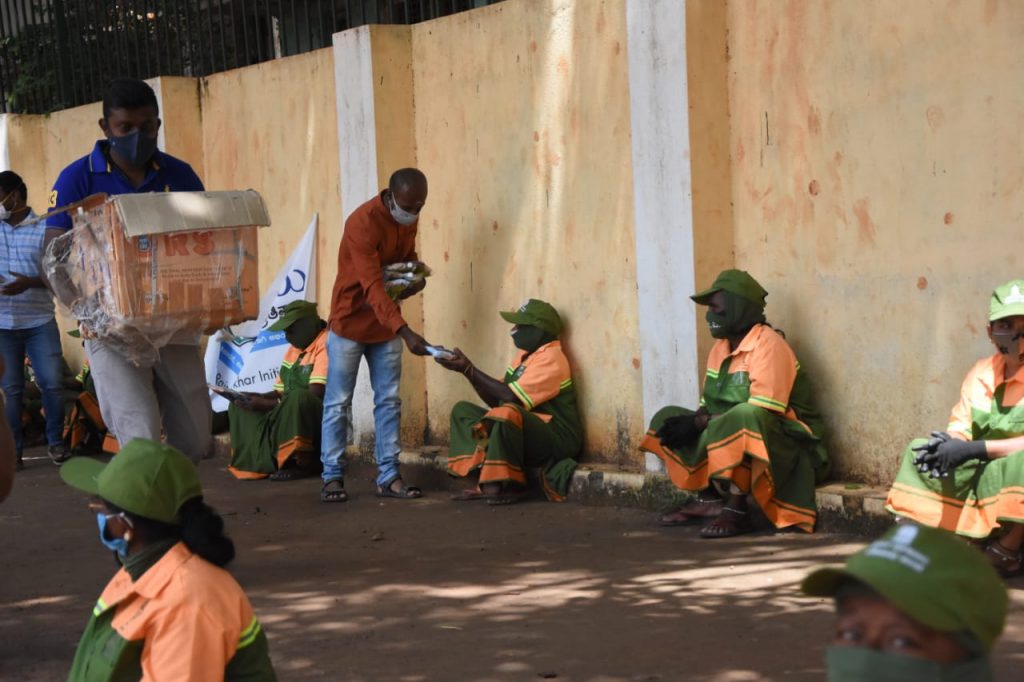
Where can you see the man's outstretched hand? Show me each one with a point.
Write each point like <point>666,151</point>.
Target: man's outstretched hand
<point>416,344</point>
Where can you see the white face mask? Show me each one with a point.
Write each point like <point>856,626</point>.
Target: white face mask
<point>5,213</point>
<point>400,215</point>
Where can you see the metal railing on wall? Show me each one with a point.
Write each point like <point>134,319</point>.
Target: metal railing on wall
<point>56,54</point>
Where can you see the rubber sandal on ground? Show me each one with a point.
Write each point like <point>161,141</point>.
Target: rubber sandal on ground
<point>469,495</point>
<point>404,492</point>
<point>334,494</point>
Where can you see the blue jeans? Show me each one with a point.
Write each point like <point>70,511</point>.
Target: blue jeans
<point>42,344</point>
<point>385,361</point>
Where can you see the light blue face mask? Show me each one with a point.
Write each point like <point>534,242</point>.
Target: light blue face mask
<point>119,545</point>
<point>400,215</point>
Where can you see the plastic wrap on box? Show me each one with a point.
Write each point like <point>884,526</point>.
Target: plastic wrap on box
<point>128,274</point>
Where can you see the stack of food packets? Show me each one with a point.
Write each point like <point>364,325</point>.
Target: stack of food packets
<point>400,276</point>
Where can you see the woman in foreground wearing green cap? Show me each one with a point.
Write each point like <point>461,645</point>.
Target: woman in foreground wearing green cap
<point>757,431</point>
<point>916,605</point>
<point>171,612</point>
<point>969,478</point>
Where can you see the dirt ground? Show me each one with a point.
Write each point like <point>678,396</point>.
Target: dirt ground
<point>430,590</point>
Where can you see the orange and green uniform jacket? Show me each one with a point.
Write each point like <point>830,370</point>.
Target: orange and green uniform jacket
<point>261,442</point>
<point>183,619</point>
<point>979,496</point>
<point>765,437</point>
<point>541,431</point>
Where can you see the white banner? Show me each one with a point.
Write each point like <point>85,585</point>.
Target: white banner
<point>247,357</point>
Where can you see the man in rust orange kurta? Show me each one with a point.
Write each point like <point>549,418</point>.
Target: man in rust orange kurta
<point>366,322</point>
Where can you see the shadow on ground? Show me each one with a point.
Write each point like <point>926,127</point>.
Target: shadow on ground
<point>431,590</point>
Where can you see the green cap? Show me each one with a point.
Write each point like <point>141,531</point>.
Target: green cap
<point>931,575</point>
<point>292,313</point>
<point>738,282</point>
<point>536,313</point>
<point>1007,301</point>
<point>146,478</point>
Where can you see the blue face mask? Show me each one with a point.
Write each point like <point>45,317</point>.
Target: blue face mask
<point>119,545</point>
<point>135,148</point>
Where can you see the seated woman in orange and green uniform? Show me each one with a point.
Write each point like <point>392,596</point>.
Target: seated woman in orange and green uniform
<point>969,478</point>
<point>756,431</point>
<point>531,422</point>
<point>277,434</point>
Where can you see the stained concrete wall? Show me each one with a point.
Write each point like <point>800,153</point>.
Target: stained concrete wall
<point>522,126</point>
<point>273,127</point>
<point>864,164</point>
<point>878,183</point>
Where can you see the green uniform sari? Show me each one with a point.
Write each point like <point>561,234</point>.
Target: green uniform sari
<point>262,442</point>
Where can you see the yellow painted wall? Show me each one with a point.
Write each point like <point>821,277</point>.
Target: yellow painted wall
<point>522,127</point>
<point>391,50</point>
<point>710,163</point>
<point>878,184</point>
<point>182,120</point>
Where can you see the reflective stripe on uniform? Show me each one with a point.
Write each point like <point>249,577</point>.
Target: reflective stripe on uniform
<point>249,634</point>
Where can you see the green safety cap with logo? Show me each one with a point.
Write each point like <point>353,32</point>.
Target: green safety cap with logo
<point>931,575</point>
<point>738,282</point>
<point>536,313</point>
<point>1007,300</point>
<point>292,313</point>
<point>146,478</point>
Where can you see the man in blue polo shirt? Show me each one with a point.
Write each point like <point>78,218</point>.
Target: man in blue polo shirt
<point>27,325</point>
<point>170,395</point>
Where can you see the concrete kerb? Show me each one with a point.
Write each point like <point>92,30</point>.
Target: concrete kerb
<point>842,507</point>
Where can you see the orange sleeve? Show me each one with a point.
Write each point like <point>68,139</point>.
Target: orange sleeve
<point>960,421</point>
<point>365,262</point>
<point>545,374</point>
<point>772,371</point>
<point>318,375</point>
<point>187,644</point>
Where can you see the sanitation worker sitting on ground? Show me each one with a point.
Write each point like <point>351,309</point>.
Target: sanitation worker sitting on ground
<point>531,421</point>
<point>968,478</point>
<point>756,431</point>
<point>277,434</point>
<point>918,604</point>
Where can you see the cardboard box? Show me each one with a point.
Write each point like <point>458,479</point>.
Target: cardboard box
<point>165,263</point>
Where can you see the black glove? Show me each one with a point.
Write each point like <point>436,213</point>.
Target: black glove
<point>678,432</point>
<point>929,448</point>
<point>951,453</point>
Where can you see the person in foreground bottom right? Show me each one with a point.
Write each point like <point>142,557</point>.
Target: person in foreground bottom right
<point>968,478</point>
<point>919,603</point>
